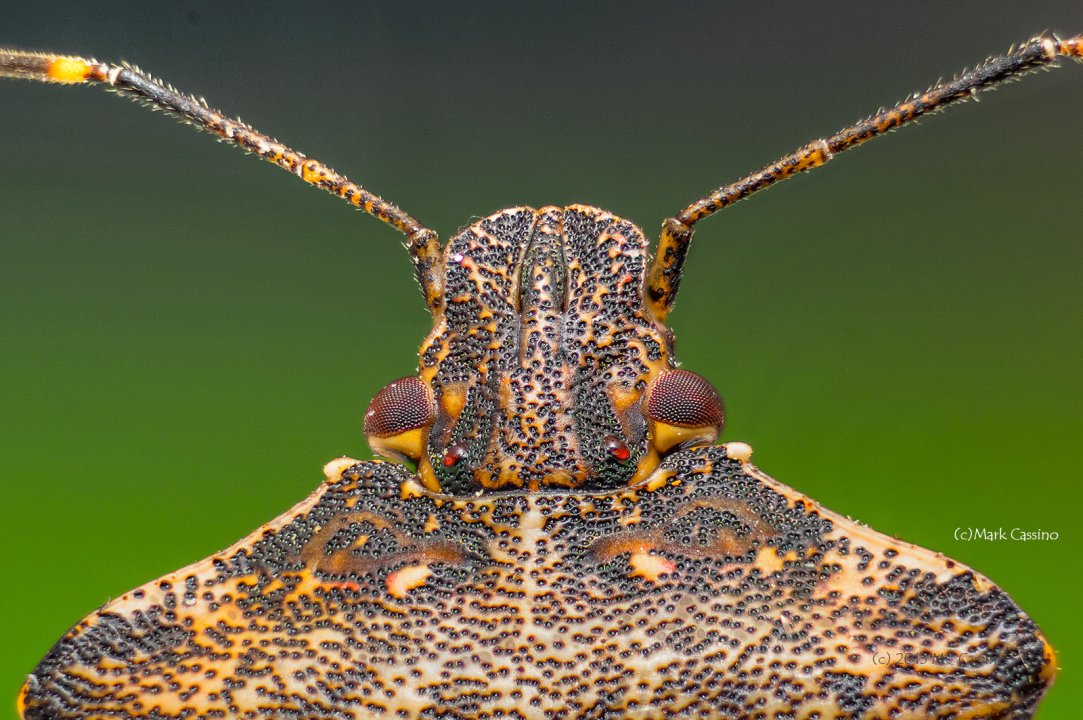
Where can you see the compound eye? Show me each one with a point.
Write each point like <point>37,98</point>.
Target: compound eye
<point>397,417</point>
<point>684,410</point>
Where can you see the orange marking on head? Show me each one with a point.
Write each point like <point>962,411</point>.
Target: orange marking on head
<point>68,70</point>
<point>650,567</point>
<point>400,582</point>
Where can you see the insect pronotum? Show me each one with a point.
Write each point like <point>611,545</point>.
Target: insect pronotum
<point>559,535</point>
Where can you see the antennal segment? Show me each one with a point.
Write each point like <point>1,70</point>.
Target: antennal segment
<point>665,273</point>
<point>422,243</point>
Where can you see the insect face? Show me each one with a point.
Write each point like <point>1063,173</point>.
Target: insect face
<point>544,368</point>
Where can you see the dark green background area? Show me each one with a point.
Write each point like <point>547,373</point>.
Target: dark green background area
<point>187,334</point>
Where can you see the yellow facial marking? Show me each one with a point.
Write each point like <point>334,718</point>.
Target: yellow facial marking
<point>453,400</point>
<point>624,397</point>
<point>410,444</point>
<point>648,464</point>
<point>667,437</point>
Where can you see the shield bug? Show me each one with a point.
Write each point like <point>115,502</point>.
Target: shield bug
<point>557,535</point>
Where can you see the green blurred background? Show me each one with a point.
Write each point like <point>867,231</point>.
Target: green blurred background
<point>187,334</point>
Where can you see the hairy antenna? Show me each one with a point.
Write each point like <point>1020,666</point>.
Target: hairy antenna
<point>423,243</point>
<point>665,273</point>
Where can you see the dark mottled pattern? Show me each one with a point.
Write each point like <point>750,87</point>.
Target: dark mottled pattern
<point>710,591</point>
<point>689,585</point>
<point>544,329</point>
<point>588,571</point>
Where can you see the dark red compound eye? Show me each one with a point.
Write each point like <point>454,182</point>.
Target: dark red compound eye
<point>454,453</point>
<point>403,405</point>
<point>685,400</point>
<point>616,448</point>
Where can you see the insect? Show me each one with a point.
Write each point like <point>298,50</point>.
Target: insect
<point>557,534</point>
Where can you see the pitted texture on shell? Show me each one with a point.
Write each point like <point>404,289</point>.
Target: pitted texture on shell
<point>710,591</point>
<point>542,350</point>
